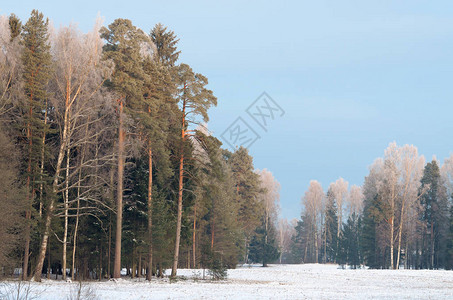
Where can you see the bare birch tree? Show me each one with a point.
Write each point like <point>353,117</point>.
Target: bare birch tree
<point>313,203</point>
<point>78,79</point>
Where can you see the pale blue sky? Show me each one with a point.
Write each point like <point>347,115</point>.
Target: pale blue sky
<point>352,76</point>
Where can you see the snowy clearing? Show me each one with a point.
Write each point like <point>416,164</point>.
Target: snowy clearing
<point>309,281</point>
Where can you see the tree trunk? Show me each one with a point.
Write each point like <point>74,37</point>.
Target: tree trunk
<point>194,234</point>
<point>50,210</point>
<point>27,231</point>
<point>181,185</point>
<point>119,203</point>
<point>66,208</point>
<point>41,168</point>
<point>150,213</point>
<point>76,228</point>
<point>391,243</point>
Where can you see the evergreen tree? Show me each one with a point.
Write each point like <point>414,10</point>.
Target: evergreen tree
<point>349,252</point>
<point>127,46</point>
<point>246,189</point>
<point>330,229</point>
<point>165,41</point>
<point>434,215</point>
<point>36,60</point>
<point>263,246</point>
<point>195,100</point>
<point>15,26</point>
<point>449,242</point>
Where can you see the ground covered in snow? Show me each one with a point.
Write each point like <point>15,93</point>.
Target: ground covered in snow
<point>309,281</point>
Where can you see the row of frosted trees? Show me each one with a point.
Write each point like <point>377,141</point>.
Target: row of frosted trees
<point>106,161</point>
<point>401,217</point>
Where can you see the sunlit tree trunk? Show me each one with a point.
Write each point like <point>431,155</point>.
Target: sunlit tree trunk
<point>66,215</point>
<point>180,189</point>
<point>150,213</point>
<point>119,200</point>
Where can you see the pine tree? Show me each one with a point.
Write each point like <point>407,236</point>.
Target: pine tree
<point>124,46</point>
<point>246,189</point>
<point>36,59</point>
<point>263,246</point>
<point>330,230</point>
<point>165,42</point>
<point>15,26</point>
<point>195,100</point>
<point>158,90</point>
<point>349,252</point>
<point>434,215</point>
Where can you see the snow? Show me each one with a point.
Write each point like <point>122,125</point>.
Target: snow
<point>308,281</point>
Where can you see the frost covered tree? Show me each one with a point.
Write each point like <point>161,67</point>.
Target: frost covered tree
<point>313,203</point>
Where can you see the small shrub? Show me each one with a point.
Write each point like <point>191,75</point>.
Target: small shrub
<point>82,291</point>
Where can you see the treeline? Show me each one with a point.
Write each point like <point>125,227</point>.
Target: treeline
<point>106,162</point>
<point>402,216</point>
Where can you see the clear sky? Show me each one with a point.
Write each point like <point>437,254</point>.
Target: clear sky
<point>352,76</point>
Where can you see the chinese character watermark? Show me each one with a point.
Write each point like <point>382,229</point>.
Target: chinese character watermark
<point>263,111</point>
<point>239,133</point>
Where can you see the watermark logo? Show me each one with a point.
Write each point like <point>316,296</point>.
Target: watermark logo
<point>240,133</point>
<point>263,111</point>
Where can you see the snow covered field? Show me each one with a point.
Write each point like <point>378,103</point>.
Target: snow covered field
<point>307,281</point>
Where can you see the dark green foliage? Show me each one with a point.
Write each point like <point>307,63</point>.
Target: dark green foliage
<point>449,242</point>
<point>349,252</point>
<point>369,241</point>
<point>246,184</point>
<point>330,230</point>
<point>434,215</point>
<point>165,41</point>
<point>11,204</point>
<point>263,247</point>
<point>15,26</point>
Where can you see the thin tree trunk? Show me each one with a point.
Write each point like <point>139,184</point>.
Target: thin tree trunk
<point>400,233</point>
<point>150,213</point>
<point>76,228</point>
<point>66,208</point>
<point>112,175</point>
<point>432,246</point>
<point>391,243</point>
<point>27,231</point>
<point>181,178</point>
<point>119,204</point>
<point>139,273</point>
<point>194,234</point>
<point>188,258</point>
<point>41,171</point>
<point>48,262</point>
<point>213,232</point>
<point>50,210</point>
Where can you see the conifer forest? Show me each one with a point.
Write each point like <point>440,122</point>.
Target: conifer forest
<point>109,170</point>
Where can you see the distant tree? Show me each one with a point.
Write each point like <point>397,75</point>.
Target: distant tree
<point>246,192</point>
<point>313,203</point>
<point>330,229</point>
<point>339,190</point>
<point>350,242</point>
<point>355,200</point>
<point>434,214</point>
<point>263,246</point>
<point>285,232</point>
